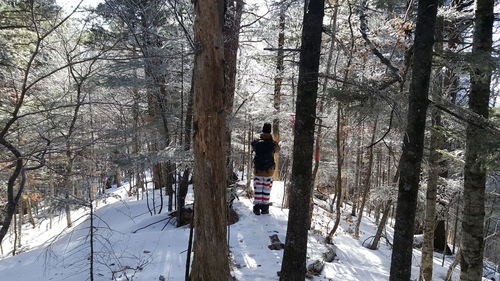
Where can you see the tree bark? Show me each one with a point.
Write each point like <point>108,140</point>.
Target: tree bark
<point>413,141</point>
<point>278,79</point>
<point>476,153</point>
<point>356,178</point>
<point>454,264</point>
<point>294,257</point>
<point>431,195</point>
<point>366,181</point>
<point>381,226</point>
<point>188,124</point>
<point>385,216</point>
<point>231,31</point>
<point>319,134</point>
<point>210,261</point>
<point>181,196</point>
<point>340,162</point>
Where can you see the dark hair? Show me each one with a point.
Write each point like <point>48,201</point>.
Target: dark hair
<point>266,128</point>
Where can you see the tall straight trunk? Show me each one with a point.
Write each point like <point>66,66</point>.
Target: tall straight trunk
<point>340,162</point>
<point>14,231</point>
<point>278,79</point>
<point>20,211</point>
<point>231,31</point>
<point>29,208</point>
<point>210,261</point>
<point>157,94</point>
<point>356,179</point>
<point>471,263</point>
<point>68,192</point>
<point>413,141</point>
<point>249,159</point>
<point>317,148</point>
<point>188,124</point>
<point>436,143</point>
<point>366,180</point>
<point>294,257</point>
<point>181,195</point>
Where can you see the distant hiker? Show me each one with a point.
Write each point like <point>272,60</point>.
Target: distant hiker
<point>264,166</point>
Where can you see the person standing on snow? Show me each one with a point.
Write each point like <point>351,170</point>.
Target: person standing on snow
<point>264,166</point>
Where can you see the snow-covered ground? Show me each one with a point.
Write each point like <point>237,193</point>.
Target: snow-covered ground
<point>131,244</point>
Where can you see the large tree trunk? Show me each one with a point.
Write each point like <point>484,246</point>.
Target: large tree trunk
<point>294,257</point>
<point>210,261</point>
<point>413,142</point>
<point>471,263</point>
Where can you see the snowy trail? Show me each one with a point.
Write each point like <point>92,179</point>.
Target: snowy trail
<point>156,251</point>
<point>250,238</point>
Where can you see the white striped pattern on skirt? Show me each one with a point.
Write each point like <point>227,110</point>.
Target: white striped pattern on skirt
<point>262,189</point>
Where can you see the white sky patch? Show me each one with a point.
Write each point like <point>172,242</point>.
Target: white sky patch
<point>69,5</point>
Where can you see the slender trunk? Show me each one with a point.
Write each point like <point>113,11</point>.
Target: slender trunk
<point>67,206</point>
<point>250,162</point>
<point>381,226</point>
<point>356,179</point>
<point>294,257</point>
<point>436,143</point>
<point>188,124</point>
<point>181,136</point>
<point>338,185</point>
<point>181,196</point>
<point>385,217</point>
<point>20,211</point>
<point>278,79</point>
<point>317,148</point>
<point>454,264</point>
<point>91,238</point>
<point>29,208</point>
<point>476,153</point>
<point>367,180</point>
<point>14,231</point>
<point>455,227</point>
<point>231,28</point>
<point>413,142</point>
<point>51,211</point>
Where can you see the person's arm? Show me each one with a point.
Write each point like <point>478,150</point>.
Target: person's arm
<point>253,143</point>
<point>276,147</point>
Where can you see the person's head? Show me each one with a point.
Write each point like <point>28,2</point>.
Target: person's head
<point>266,128</point>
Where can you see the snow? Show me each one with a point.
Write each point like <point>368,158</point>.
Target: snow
<point>122,247</point>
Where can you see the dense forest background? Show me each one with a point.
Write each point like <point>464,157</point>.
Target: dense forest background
<point>93,95</point>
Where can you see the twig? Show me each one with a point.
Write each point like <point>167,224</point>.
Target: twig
<point>363,26</point>
<point>388,130</point>
<point>141,228</point>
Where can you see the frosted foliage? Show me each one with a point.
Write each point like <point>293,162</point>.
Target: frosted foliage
<point>384,193</point>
